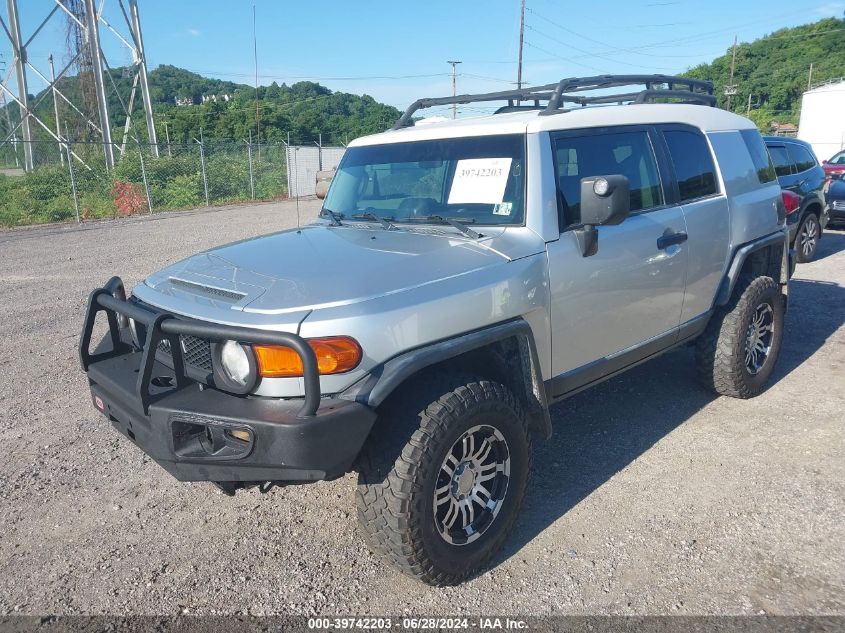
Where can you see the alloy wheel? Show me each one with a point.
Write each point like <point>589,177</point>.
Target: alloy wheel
<point>471,485</point>
<point>808,237</point>
<point>759,337</point>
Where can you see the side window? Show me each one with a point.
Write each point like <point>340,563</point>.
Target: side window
<point>693,163</point>
<point>780,157</point>
<point>627,153</point>
<point>802,158</point>
<point>839,159</point>
<point>759,155</point>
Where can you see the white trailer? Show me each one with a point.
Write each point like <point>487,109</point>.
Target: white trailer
<point>822,122</point>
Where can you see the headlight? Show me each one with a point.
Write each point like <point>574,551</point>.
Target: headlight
<point>234,367</point>
<point>235,362</point>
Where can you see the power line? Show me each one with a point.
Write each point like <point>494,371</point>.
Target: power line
<point>638,50</point>
<point>589,54</point>
<point>571,60</point>
<point>316,78</point>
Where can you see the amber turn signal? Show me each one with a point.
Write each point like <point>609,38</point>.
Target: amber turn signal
<point>335,355</point>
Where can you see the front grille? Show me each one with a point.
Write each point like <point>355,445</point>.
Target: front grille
<point>839,205</point>
<point>196,351</point>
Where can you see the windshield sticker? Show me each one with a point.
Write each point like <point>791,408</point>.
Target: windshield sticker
<point>503,208</point>
<point>480,181</point>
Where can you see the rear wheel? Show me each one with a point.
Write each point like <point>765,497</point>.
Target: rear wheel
<point>443,477</point>
<point>807,239</point>
<point>738,350</point>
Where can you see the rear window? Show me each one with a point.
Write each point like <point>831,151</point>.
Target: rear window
<point>802,157</point>
<point>780,157</point>
<point>759,155</point>
<point>693,164</point>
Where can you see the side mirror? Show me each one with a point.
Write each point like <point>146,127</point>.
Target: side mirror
<point>824,162</point>
<point>605,200</point>
<point>324,179</point>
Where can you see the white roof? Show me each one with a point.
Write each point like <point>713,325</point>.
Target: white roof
<point>703,117</point>
<point>838,86</point>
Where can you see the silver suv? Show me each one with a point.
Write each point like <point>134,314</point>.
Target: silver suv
<point>463,277</point>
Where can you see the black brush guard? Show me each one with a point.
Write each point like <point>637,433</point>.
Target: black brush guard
<point>111,299</point>
<point>200,433</point>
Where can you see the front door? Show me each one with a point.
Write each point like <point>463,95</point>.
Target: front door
<point>632,290</point>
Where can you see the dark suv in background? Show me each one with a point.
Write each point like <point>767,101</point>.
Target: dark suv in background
<point>799,171</point>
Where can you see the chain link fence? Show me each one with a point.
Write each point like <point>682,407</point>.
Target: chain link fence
<point>303,163</point>
<point>70,180</point>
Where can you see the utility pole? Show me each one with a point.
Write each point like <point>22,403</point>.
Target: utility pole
<point>730,89</point>
<point>810,78</point>
<point>748,110</point>
<point>454,87</point>
<point>257,109</point>
<point>521,40</point>
<point>19,60</point>
<point>56,107</point>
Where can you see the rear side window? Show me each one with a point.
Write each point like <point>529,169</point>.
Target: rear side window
<point>759,155</point>
<point>693,164</point>
<point>803,159</point>
<point>780,157</point>
<point>627,153</point>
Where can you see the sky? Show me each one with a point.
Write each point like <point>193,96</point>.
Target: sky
<point>398,51</point>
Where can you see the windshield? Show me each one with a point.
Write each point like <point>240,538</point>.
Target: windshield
<point>479,180</point>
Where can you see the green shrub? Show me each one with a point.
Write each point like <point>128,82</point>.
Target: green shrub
<point>228,177</point>
<point>95,205</point>
<point>181,192</point>
<point>45,183</point>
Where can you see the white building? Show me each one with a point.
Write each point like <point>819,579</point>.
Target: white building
<point>822,122</point>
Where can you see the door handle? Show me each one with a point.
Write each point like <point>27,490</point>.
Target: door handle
<point>665,241</point>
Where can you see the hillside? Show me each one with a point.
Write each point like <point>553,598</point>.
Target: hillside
<point>774,69</point>
<point>304,110</point>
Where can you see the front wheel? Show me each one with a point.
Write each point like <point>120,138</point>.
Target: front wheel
<point>737,352</point>
<point>441,484</point>
<point>807,240</point>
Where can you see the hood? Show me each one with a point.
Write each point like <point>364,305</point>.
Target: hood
<point>315,267</point>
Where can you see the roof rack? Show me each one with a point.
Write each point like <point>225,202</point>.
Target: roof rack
<point>656,87</point>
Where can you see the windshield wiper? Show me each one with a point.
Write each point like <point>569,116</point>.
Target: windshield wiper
<point>334,217</point>
<point>375,218</point>
<point>458,223</point>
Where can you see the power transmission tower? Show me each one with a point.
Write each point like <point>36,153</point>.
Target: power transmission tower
<point>4,106</point>
<point>730,89</point>
<point>454,87</point>
<point>84,20</point>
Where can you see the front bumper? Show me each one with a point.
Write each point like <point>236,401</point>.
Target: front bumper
<point>836,211</point>
<point>198,433</point>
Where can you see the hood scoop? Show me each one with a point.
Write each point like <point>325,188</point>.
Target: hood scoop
<point>211,292</point>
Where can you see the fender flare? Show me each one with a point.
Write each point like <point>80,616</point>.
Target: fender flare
<point>726,288</point>
<point>382,380</point>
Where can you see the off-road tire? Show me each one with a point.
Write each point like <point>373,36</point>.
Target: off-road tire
<point>399,466</point>
<point>810,224</point>
<point>720,350</point>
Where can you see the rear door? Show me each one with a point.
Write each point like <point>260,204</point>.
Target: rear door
<point>631,290</point>
<point>705,207</point>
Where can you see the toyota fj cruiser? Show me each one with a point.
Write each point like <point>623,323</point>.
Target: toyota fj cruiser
<point>463,277</point>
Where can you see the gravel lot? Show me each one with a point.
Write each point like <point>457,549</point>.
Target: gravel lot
<point>653,497</point>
